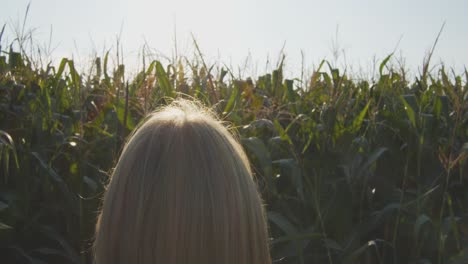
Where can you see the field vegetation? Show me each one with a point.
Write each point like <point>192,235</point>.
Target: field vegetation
<point>351,171</point>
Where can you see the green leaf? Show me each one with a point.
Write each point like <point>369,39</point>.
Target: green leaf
<point>327,80</point>
<point>453,221</point>
<point>1,34</point>
<point>54,235</point>
<point>106,76</point>
<point>298,236</point>
<point>427,123</point>
<point>222,75</point>
<point>372,158</point>
<point>7,145</point>
<point>290,93</point>
<point>97,62</point>
<point>354,256</point>
<point>55,252</point>
<point>384,62</point>
<point>120,110</point>
<point>281,222</point>
<point>410,111</point>
<point>61,68</point>
<point>3,206</point>
<point>90,183</point>
<point>15,60</point>
<point>332,244</point>
<point>119,73</point>
<point>232,98</point>
<point>60,183</point>
<point>419,223</point>
<point>464,149</point>
<point>4,226</point>
<point>276,81</point>
<point>294,121</point>
<point>163,80</point>
<point>357,122</point>
<point>460,258</point>
<point>22,253</point>
<point>316,75</point>
<point>282,132</point>
<point>290,168</point>
<point>260,152</point>
<point>74,76</point>
<point>3,65</point>
<point>386,211</point>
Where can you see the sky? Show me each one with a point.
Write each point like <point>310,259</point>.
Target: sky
<point>245,34</point>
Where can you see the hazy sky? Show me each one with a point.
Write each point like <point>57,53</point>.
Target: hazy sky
<point>229,30</point>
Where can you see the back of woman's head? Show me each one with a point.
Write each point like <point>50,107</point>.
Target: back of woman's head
<point>182,192</point>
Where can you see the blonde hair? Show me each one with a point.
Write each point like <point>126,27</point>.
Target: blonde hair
<point>182,192</point>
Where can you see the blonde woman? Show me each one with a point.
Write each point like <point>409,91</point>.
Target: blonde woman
<point>182,192</point>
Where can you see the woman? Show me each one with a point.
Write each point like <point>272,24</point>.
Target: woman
<point>182,192</point>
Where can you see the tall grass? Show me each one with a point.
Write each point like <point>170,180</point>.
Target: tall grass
<point>352,171</point>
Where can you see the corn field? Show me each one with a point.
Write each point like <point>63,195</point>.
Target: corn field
<point>351,171</point>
